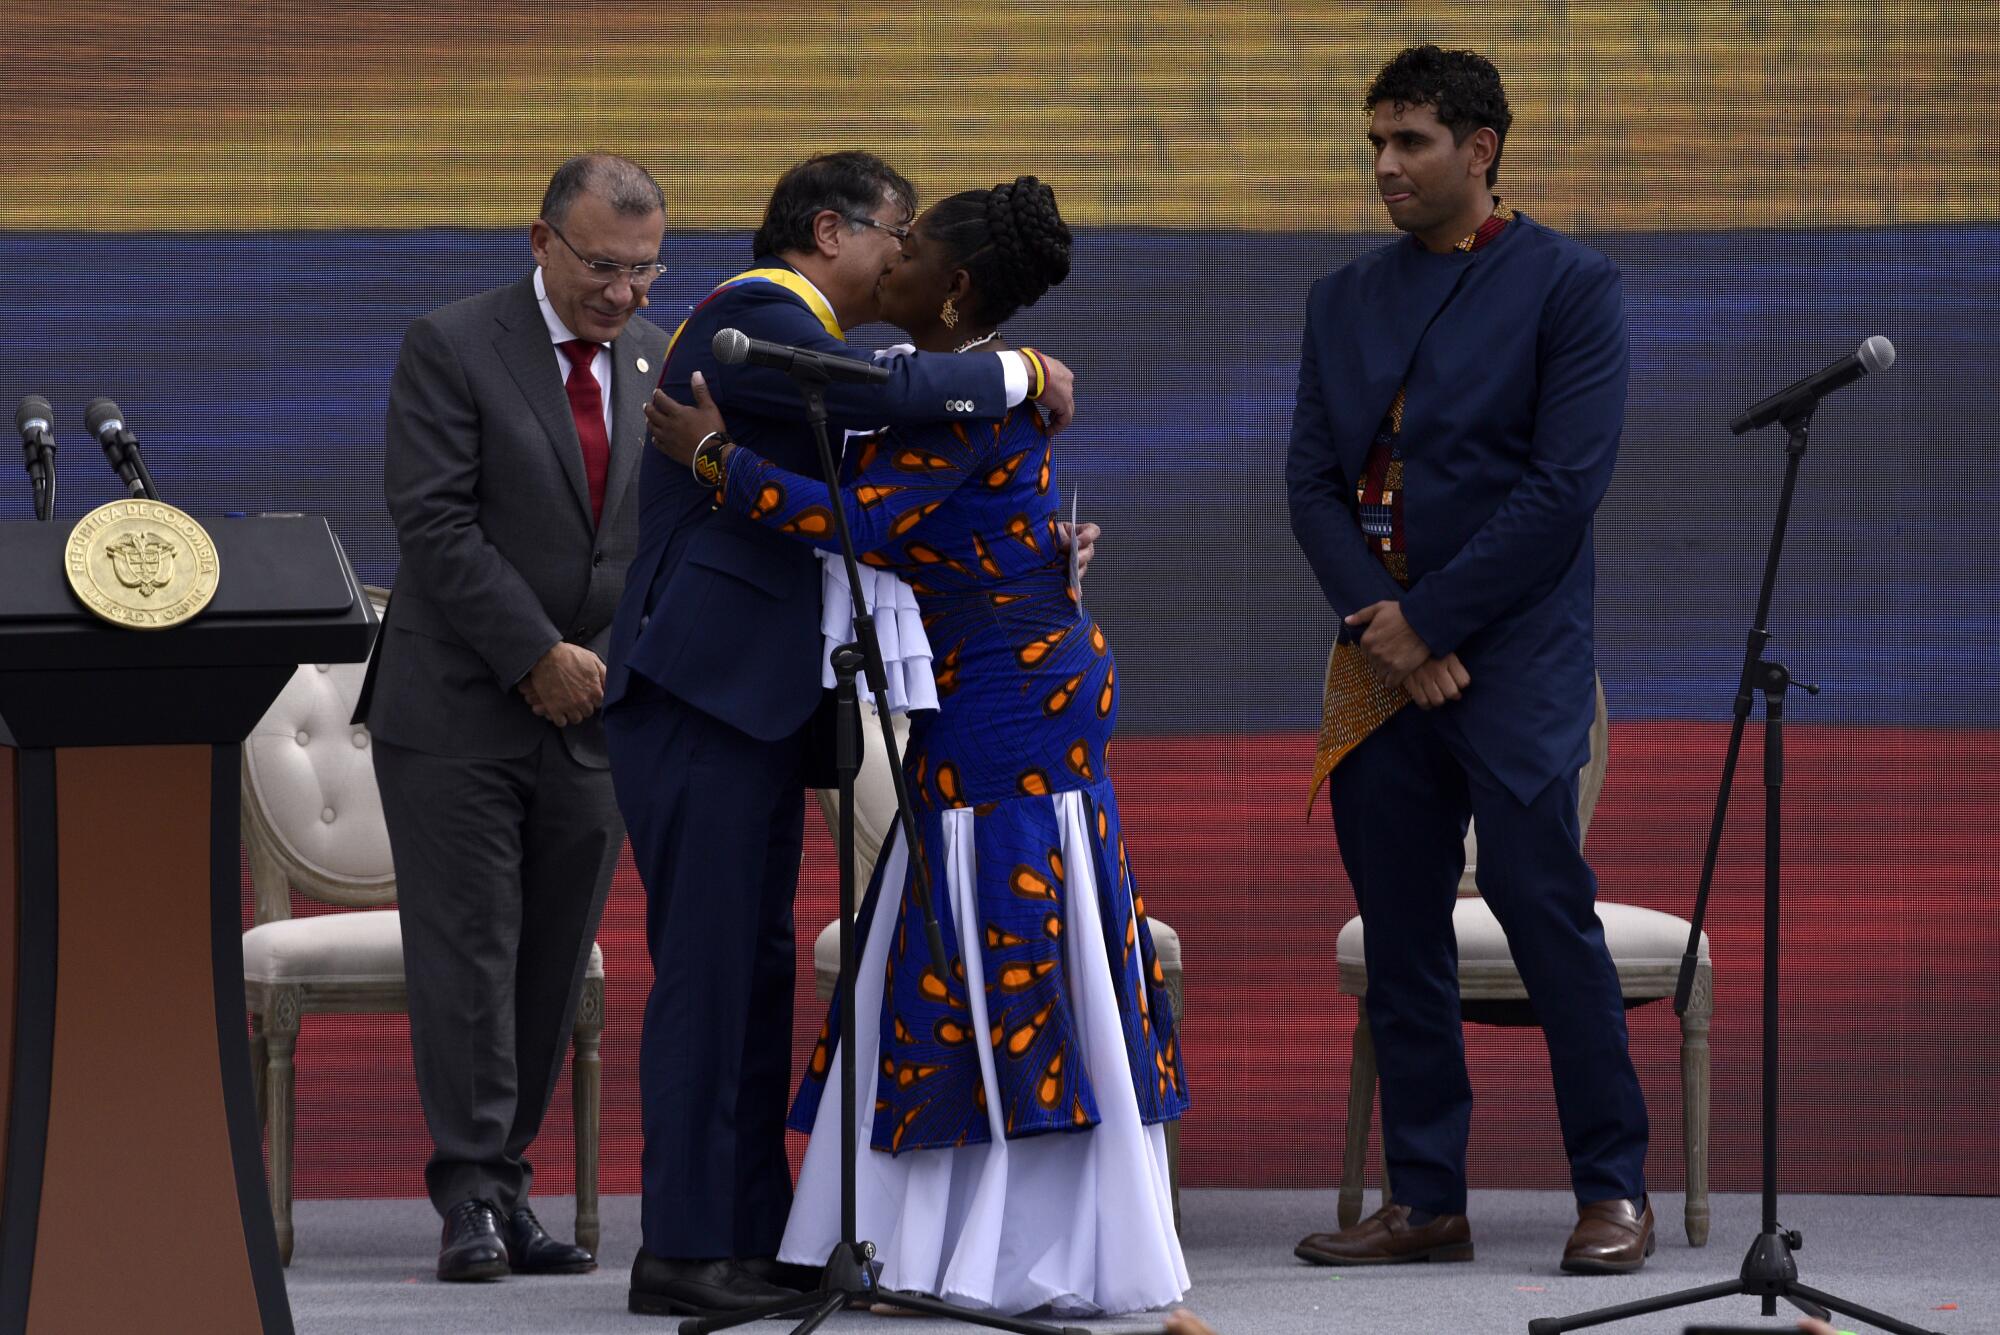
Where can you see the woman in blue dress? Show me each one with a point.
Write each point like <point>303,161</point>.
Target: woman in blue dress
<point>1017,1119</point>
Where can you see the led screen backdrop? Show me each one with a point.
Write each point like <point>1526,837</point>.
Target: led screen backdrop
<point>224,216</point>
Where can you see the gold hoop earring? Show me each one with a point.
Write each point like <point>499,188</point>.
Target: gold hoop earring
<point>949,314</point>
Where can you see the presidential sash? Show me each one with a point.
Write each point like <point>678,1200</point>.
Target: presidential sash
<point>790,280</point>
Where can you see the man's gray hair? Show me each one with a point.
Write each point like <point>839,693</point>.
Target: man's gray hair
<point>620,182</point>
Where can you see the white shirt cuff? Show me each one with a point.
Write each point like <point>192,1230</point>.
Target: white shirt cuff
<point>1014,369</point>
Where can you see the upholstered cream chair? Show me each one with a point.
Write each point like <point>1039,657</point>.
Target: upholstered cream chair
<point>312,822</point>
<point>1645,945</point>
<point>874,812</point>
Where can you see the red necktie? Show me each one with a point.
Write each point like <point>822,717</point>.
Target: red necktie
<point>586,405</point>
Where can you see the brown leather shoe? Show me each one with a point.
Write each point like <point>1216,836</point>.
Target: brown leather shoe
<point>1387,1237</point>
<point>1611,1238</point>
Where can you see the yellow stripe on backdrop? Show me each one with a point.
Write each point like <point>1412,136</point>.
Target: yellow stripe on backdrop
<point>1628,116</point>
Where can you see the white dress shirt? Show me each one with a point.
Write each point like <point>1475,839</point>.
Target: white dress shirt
<point>559,334</point>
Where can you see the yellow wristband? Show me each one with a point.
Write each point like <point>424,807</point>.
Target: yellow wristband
<point>1041,372</point>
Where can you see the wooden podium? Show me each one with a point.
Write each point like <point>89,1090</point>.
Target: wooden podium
<point>132,1191</point>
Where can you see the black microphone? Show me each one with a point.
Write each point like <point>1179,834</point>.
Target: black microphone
<point>106,421</point>
<point>733,347</point>
<point>36,421</point>
<point>1876,354</point>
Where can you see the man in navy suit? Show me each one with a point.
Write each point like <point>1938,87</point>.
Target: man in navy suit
<point>714,678</point>
<point>1461,394</point>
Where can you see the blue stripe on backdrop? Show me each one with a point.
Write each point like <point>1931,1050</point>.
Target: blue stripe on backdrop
<point>255,367</point>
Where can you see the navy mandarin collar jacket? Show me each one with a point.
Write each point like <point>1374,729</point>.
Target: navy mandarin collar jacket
<point>1515,362</point>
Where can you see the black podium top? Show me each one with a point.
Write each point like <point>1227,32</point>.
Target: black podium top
<point>284,595</point>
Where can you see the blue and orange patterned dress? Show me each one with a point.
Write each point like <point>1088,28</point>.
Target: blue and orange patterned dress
<point>1036,1075</point>
<point>1027,691</point>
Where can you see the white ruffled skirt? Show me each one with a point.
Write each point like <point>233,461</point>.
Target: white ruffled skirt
<point>1081,1222</point>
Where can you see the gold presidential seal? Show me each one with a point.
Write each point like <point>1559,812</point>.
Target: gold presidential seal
<point>141,564</point>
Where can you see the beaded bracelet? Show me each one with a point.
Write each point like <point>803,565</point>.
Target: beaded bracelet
<point>706,464</point>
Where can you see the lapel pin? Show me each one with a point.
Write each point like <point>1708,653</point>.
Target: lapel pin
<point>643,367</point>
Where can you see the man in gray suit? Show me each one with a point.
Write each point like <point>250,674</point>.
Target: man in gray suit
<point>515,430</point>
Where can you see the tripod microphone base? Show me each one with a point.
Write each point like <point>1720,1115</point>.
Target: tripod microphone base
<point>1769,1273</point>
<point>852,1278</point>
<point>853,1269</point>
<point>849,1277</point>
<point>1769,1269</point>
<point>815,1307</point>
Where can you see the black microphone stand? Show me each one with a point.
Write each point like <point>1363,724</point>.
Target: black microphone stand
<point>1769,1270</point>
<point>42,477</point>
<point>38,450</point>
<point>130,465</point>
<point>146,488</point>
<point>852,1272</point>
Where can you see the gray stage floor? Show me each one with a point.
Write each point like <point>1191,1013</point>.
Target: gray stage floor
<point>366,1266</point>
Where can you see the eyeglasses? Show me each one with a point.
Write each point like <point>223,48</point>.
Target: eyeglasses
<point>901,234</point>
<point>607,272</point>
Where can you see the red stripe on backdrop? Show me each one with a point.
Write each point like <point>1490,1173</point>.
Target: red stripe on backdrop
<point>1892,1019</point>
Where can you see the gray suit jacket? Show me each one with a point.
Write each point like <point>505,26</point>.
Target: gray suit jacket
<point>500,561</point>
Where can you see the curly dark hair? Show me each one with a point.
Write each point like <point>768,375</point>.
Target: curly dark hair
<point>851,183</point>
<point>1010,240</point>
<point>1463,86</point>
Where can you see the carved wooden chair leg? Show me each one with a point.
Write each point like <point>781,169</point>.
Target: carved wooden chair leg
<point>281,1018</point>
<point>1694,1101</point>
<point>1360,1110</point>
<point>260,1057</point>
<point>586,1085</point>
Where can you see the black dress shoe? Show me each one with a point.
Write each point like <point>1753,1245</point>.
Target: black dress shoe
<point>785,1274</point>
<point>662,1287</point>
<point>531,1251</point>
<point>472,1248</point>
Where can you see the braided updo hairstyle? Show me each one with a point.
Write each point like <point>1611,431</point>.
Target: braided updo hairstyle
<point>1010,240</point>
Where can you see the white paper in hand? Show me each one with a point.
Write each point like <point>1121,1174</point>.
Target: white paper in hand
<point>1075,570</point>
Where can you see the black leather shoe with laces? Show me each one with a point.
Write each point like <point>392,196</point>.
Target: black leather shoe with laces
<point>804,1278</point>
<point>472,1248</point>
<point>666,1287</point>
<point>531,1251</point>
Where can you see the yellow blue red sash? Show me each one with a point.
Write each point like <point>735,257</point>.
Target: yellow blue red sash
<point>792,282</point>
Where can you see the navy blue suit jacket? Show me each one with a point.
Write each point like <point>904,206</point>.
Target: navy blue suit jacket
<point>1515,360</point>
<point>721,611</point>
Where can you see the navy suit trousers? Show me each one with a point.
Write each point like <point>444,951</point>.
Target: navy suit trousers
<point>717,824</point>
<point>1401,800</point>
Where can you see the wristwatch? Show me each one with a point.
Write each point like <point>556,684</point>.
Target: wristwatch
<point>707,463</point>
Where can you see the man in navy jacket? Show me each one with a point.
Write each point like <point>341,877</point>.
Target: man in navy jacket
<point>714,677</point>
<point>1461,394</point>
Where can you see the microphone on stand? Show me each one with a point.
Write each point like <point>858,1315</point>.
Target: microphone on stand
<point>36,421</point>
<point>1876,354</point>
<point>733,347</point>
<point>106,421</point>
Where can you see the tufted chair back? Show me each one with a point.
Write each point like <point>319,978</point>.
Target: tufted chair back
<point>311,815</point>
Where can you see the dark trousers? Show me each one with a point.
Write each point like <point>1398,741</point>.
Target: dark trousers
<point>502,867</point>
<point>1400,802</point>
<point>717,821</point>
